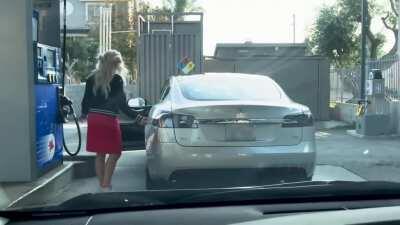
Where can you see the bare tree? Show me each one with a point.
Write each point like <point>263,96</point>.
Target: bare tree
<point>70,72</point>
<point>390,22</point>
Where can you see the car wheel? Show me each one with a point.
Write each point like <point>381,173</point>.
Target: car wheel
<point>152,184</point>
<point>308,178</point>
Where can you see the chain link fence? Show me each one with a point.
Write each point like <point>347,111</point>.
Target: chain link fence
<point>391,72</point>
<point>345,82</point>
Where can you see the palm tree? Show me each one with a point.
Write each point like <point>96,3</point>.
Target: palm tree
<point>181,6</point>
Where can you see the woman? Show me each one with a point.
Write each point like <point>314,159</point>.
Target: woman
<point>104,98</point>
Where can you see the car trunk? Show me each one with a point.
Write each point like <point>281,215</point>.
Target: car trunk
<point>230,124</point>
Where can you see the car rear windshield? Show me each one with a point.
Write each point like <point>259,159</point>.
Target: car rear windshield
<point>251,88</point>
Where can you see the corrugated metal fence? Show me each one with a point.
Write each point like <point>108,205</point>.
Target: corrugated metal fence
<point>161,46</point>
<point>345,84</point>
<point>159,56</point>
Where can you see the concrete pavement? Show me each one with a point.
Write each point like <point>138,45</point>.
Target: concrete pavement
<point>339,157</point>
<point>372,159</point>
<point>130,176</point>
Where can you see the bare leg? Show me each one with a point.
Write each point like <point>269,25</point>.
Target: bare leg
<point>100,167</point>
<point>110,167</point>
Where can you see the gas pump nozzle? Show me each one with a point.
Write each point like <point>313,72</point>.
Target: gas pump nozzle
<point>65,108</point>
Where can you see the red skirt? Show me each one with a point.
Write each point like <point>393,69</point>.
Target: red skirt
<point>103,134</point>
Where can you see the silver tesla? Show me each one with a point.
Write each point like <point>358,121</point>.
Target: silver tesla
<point>227,121</point>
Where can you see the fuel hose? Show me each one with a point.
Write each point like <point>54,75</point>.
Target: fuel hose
<point>67,106</point>
<point>78,128</point>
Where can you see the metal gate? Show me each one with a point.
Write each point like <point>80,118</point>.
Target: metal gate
<point>161,46</point>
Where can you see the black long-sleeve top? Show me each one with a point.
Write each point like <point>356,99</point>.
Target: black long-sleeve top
<point>112,105</point>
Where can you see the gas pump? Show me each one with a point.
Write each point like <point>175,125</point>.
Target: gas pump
<point>52,107</point>
<point>33,110</point>
<point>373,114</point>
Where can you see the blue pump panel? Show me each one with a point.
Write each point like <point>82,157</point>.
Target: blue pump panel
<point>49,131</point>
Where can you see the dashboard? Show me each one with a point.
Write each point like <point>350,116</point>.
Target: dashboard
<point>360,212</point>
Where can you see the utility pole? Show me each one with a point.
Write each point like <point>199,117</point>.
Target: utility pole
<point>294,28</point>
<point>364,47</point>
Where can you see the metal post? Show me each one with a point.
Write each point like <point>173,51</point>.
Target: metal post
<point>340,85</point>
<point>108,34</point>
<point>148,24</point>
<point>64,53</point>
<point>398,26</point>
<point>101,31</point>
<point>294,28</point>
<point>172,24</point>
<point>364,47</point>
<point>110,27</point>
<point>105,18</point>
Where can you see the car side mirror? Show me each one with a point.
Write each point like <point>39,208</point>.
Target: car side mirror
<point>136,102</point>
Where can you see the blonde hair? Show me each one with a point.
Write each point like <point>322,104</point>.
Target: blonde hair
<point>108,64</point>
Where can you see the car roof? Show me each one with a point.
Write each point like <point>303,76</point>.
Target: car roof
<point>220,76</point>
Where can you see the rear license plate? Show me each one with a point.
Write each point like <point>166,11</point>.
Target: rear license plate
<point>240,133</point>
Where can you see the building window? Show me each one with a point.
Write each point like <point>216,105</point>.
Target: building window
<point>92,12</point>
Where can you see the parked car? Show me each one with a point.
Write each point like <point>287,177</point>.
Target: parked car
<point>214,122</point>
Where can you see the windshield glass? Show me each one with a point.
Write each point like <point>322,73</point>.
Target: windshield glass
<point>102,102</point>
<point>229,88</point>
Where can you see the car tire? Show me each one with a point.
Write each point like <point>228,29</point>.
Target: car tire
<point>152,184</point>
<point>308,178</point>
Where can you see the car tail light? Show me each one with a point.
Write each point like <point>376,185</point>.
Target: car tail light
<point>168,120</point>
<point>298,120</point>
<point>163,120</point>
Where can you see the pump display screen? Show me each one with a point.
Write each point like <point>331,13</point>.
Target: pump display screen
<point>47,65</point>
<point>51,58</point>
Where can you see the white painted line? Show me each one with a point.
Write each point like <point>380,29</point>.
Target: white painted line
<point>332,173</point>
<point>3,199</point>
<point>88,221</point>
<point>3,221</point>
<point>41,185</point>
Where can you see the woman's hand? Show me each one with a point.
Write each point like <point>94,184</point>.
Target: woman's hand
<point>141,120</point>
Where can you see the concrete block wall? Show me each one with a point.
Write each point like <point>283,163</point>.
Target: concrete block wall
<point>347,112</point>
<point>75,93</point>
<point>395,116</point>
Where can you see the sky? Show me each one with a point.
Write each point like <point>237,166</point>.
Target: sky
<point>259,21</point>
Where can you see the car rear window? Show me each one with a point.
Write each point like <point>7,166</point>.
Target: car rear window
<point>251,88</point>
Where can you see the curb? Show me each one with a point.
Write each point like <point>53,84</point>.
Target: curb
<point>47,189</point>
<point>380,137</point>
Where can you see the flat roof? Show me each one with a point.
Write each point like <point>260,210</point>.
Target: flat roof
<point>105,1</point>
<point>259,45</point>
<point>220,46</point>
